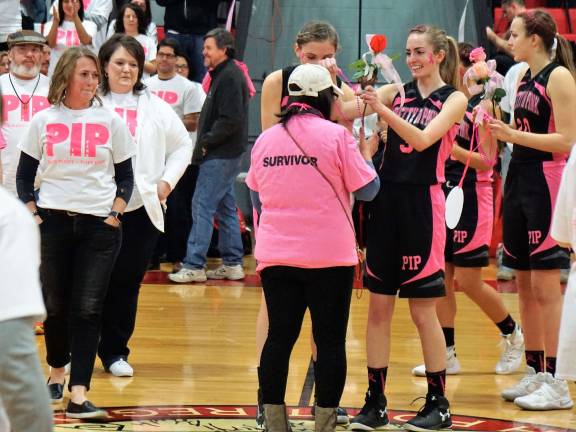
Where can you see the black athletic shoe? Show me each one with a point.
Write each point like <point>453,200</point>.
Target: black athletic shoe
<point>56,391</point>
<point>373,415</point>
<point>433,416</point>
<point>85,410</point>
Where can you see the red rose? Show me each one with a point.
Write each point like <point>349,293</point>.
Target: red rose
<point>378,43</point>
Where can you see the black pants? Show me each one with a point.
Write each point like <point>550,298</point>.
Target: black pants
<point>289,291</point>
<point>178,219</point>
<point>119,317</point>
<point>78,254</point>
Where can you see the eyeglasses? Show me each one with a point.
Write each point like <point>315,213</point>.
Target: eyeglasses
<point>182,66</point>
<point>165,55</point>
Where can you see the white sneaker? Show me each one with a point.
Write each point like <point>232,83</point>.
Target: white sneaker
<point>235,272</point>
<point>528,384</point>
<point>185,275</point>
<point>512,353</point>
<point>121,368</point>
<point>553,394</point>
<point>452,364</point>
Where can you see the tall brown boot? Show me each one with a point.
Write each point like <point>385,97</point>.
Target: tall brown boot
<point>325,419</point>
<point>276,418</point>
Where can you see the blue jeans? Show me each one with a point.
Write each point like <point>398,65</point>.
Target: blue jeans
<point>214,196</point>
<point>192,45</point>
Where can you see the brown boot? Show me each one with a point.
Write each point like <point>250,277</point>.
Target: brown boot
<point>276,418</point>
<point>325,419</point>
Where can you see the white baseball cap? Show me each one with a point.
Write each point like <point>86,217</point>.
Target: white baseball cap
<point>310,79</point>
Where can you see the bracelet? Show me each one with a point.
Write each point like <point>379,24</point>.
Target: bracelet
<point>35,213</point>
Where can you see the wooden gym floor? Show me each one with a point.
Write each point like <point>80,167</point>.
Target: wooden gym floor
<point>194,358</point>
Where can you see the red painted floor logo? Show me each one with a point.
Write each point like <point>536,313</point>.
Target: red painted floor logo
<point>218,418</point>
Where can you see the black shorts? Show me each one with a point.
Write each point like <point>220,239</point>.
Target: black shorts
<point>406,237</point>
<point>467,245</point>
<point>529,198</point>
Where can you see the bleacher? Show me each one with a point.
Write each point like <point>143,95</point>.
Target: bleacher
<point>565,17</point>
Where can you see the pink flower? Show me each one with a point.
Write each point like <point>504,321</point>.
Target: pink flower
<point>477,54</point>
<point>481,71</point>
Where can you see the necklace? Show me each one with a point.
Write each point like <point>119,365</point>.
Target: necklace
<point>16,93</point>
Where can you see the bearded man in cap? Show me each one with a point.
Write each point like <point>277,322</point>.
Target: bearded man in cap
<point>24,94</point>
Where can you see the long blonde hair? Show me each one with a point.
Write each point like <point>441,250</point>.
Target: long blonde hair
<point>64,70</point>
<point>440,41</point>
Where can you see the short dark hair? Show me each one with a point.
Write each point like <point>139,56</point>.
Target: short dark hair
<point>119,26</point>
<point>510,2</point>
<point>171,43</point>
<point>61,11</point>
<point>147,14</point>
<point>319,104</point>
<point>224,40</point>
<point>464,50</point>
<point>185,57</point>
<point>131,45</point>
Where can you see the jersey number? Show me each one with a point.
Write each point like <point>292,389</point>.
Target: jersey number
<point>522,125</point>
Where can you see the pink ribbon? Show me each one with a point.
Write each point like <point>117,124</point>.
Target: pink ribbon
<point>390,74</point>
<point>481,116</point>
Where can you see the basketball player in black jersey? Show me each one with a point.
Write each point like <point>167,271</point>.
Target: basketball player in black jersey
<point>466,251</point>
<point>406,233</point>
<point>543,136</point>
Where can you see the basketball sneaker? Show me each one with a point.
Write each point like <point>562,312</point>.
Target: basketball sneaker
<point>373,415</point>
<point>512,353</point>
<point>528,384</point>
<point>553,394</point>
<point>452,364</point>
<point>504,273</point>
<point>186,275</point>
<point>434,415</point>
<point>234,272</point>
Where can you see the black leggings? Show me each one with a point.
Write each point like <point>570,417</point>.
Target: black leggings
<point>289,291</point>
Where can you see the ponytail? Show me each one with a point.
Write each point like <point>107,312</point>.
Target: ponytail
<point>449,67</point>
<point>564,55</point>
<point>539,22</point>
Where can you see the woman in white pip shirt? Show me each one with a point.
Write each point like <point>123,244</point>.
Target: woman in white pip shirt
<point>132,22</point>
<point>151,29</point>
<point>68,29</point>
<point>163,151</point>
<point>84,153</point>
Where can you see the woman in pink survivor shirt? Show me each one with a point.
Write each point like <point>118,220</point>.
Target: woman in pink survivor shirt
<point>301,175</point>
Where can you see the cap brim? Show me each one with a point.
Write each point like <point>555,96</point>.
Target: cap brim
<point>337,90</point>
<point>11,44</point>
